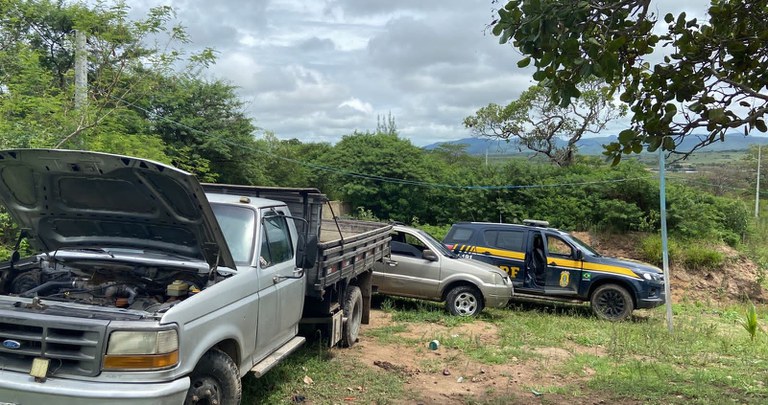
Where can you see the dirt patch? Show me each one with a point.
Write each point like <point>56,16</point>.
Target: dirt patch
<point>446,376</point>
<point>479,331</point>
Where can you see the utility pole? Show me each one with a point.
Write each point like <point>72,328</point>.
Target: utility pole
<point>665,252</point>
<point>81,71</point>
<point>81,81</point>
<point>757,188</point>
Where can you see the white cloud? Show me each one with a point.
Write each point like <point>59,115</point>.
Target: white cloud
<point>357,105</point>
<point>320,70</point>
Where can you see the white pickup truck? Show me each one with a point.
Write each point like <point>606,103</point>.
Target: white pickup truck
<point>152,288</point>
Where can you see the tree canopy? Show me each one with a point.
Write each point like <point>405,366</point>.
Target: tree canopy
<point>145,97</point>
<point>688,78</point>
<point>543,126</point>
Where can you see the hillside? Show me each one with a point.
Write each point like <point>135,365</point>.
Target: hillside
<point>736,280</point>
<point>594,145</point>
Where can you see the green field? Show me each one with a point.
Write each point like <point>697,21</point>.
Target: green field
<point>709,358</point>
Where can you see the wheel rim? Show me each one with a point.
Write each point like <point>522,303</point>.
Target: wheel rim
<point>204,391</point>
<point>465,304</point>
<point>611,304</point>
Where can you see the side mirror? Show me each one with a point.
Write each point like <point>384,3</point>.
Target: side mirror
<point>579,255</point>
<point>429,255</point>
<point>306,252</point>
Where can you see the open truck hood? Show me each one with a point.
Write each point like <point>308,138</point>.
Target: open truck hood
<point>76,199</point>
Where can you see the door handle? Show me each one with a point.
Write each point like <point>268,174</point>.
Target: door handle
<point>553,264</point>
<point>390,263</point>
<point>487,253</point>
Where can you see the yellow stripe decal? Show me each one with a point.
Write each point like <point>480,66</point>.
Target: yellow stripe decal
<point>499,252</point>
<point>574,264</point>
<point>610,269</point>
<point>603,268</point>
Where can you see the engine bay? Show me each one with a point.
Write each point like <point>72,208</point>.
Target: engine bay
<point>106,283</point>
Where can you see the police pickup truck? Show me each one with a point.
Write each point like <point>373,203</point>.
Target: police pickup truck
<point>548,264</point>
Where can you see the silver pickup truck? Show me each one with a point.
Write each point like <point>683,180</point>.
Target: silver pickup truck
<point>155,289</point>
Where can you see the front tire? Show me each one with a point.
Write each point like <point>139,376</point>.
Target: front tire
<point>215,380</point>
<point>353,311</point>
<point>464,301</point>
<point>612,303</point>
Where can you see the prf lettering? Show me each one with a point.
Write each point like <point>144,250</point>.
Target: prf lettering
<point>511,270</point>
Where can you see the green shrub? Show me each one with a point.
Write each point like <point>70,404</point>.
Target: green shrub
<point>730,238</point>
<point>750,321</point>
<point>650,248</point>
<point>438,232</point>
<point>697,257</point>
<point>9,234</point>
<point>619,215</point>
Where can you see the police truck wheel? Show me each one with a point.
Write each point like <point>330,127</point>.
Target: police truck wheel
<point>464,301</point>
<point>353,312</point>
<point>612,302</point>
<point>215,380</point>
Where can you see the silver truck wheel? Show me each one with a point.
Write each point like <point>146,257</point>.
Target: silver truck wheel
<point>214,381</point>
<point>353,311</point>
<point>464,301</point>
<point>612,302</point>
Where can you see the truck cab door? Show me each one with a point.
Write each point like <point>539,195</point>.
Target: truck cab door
<point>563,266</point>
<point>281,297</point>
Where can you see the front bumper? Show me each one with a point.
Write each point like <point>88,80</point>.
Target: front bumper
<point>652,296</point>
<point>497,296</point>
<point>22,389</point>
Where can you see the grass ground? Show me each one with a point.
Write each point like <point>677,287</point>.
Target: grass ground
<point>531,353</point>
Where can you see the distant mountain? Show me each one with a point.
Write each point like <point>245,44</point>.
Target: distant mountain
<point>594,146</point>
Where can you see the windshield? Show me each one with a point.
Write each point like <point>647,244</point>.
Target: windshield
<point>437,245</point>
<point>584,247</point>
<point>238,225</point>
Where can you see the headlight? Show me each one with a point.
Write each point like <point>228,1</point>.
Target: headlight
<point>499,279</point>
<point>652,276</point>
<point>142,350</point>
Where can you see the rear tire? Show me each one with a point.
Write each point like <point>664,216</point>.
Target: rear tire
<point>464,300</point>
<point>612,302</point>
<point>353,311</point>
<point>215,379</point>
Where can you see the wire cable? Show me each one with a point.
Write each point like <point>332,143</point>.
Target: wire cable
<point>382,178</point>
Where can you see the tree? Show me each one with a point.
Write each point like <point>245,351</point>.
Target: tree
<point>713,80</point>
<point>37,80</point>
<point>382,173</point>
<point>291,163</point>
<point>145,96</point>
<point>538,123</point>
<point>205,129</point>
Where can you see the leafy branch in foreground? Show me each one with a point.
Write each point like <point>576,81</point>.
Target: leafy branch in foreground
<point>712,77</point>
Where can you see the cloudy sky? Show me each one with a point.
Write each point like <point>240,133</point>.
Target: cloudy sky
<point>318,70</point>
